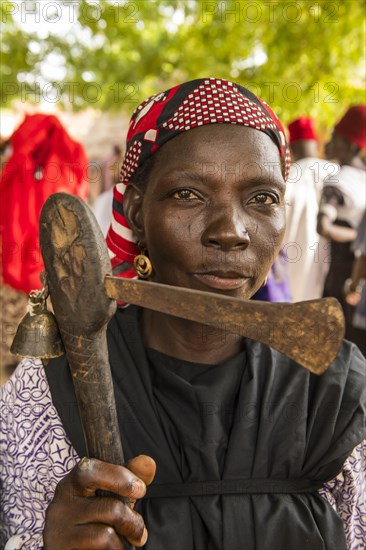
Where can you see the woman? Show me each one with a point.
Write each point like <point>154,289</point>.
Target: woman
<point>203,192</point>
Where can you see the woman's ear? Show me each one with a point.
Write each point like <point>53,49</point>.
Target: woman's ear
<point>132,209</point>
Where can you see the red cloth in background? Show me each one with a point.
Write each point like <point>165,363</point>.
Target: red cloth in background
<point>44,160</point>
<point>352,125</point>
<point>302,128</point>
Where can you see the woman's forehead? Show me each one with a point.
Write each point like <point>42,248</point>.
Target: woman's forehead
<point>217,155</point>
<point>193,104</point>
<point>217,143</point>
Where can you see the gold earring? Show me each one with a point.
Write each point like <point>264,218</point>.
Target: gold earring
<point>142,265</point>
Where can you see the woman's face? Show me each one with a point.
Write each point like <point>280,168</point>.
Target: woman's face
<point>212,217</point>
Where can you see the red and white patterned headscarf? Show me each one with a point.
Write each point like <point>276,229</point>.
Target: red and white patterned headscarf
<point>168,114</point>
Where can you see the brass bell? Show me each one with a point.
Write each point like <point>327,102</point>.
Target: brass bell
<point>38,335</point>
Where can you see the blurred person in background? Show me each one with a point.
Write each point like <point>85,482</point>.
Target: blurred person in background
<point>355,287</point>
<point>44,160</point>
<point>276,287</point>
<point>111,167</point>
<point>102,206</point>
<point>305,250</point>
<point>102,209</point>
<point>39,159</point>
<point>5,150</point>
<point>342,204</point>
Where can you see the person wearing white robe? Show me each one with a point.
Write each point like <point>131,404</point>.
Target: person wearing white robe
<point>307,253</point>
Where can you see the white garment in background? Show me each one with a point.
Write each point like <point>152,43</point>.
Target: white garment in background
<point>350,183</point>
<point>307,253</point>
<point>102,209</point>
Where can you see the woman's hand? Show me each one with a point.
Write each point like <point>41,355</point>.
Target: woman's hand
<point>79,519</point>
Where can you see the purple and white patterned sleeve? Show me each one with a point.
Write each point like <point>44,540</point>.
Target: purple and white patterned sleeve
<point>35,455</point>
<point>347,495</point>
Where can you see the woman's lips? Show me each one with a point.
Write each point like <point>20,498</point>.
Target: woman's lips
<point>221,281</point>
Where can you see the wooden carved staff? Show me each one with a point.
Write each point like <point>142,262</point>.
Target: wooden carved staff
<point>76,261</point>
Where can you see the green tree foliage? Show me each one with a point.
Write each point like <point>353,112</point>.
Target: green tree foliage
<point>16,59</point>
<point>302,57</point>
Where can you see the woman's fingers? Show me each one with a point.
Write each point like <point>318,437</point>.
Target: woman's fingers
<point>90,537</point>
<point>115,513</point>
<point>92,523</point>
<point>79,518</point>
<point>143,467</point>
<point>92,474</point>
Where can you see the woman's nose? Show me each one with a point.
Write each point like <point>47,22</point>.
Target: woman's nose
<point>226,230</point>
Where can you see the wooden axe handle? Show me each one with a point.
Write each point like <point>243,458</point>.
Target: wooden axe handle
<point>76,261</point>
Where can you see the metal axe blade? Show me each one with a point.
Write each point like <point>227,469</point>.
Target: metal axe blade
<point>310,332</point>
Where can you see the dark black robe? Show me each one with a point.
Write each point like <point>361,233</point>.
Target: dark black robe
<point>259,421</point>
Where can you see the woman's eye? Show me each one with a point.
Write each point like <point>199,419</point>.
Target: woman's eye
<point>185,195</point>
<point>264,198</point>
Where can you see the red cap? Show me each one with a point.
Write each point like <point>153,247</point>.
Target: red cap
<point>302,129</point>
<point>352,125</point>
